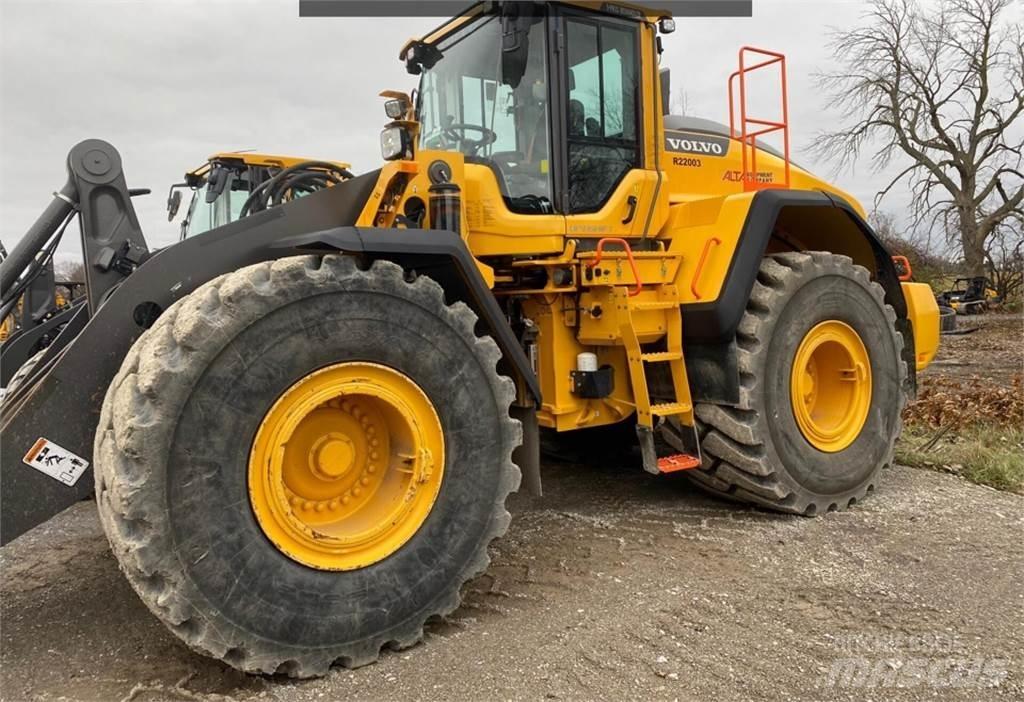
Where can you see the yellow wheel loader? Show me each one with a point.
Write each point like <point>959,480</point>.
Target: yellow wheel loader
<point>236,184</point>
<point>302,425</point>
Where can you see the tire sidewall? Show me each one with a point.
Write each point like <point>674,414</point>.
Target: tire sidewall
<point>844,298</point>
<point>200,530</point>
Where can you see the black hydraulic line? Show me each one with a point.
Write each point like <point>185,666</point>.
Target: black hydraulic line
<point>36,267</point>
<point>303,181</point>
<point>269,192</point>
<point>24,252</point>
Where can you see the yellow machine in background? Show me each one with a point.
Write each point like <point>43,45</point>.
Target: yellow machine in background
<point>222,187</point>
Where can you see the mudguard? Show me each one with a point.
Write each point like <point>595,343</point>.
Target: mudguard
<point>822,222</point>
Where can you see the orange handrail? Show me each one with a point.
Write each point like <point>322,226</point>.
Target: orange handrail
<point>629,257</point>
<point>748,139</point>
<point>700,265</point>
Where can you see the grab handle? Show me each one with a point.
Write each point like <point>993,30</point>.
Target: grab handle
<point>700,265</point>
<point>629,257</point>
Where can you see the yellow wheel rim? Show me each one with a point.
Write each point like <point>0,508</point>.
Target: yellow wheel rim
<point>830,386</point>
<point>346,466</point>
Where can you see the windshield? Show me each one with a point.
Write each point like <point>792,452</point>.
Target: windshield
<point>204,216</point>
<point>464,106</point>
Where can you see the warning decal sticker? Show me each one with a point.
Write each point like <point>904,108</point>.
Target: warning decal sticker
<point>58,463</point>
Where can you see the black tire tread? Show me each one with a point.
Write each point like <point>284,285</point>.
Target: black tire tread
<point>734,459</point>
<point>133,407</point>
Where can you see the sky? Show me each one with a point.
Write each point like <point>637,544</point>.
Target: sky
<point>168,82</point>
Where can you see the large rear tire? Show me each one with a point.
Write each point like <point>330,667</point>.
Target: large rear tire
<point>225,551</point>
<point>795,443</point>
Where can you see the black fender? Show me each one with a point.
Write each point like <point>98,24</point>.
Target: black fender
<point>63,404</point>
<point>819,222</point>
<point>443,256</point>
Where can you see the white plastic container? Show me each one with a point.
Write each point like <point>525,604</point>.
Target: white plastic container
<point>586,362</point>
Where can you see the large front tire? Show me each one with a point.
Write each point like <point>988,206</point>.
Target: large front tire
<point>771,450</point>
<point>180,496</point>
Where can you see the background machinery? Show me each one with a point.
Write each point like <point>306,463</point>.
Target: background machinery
<point>232,185</point>
<point>229,186</point>
<point>302,425</point>
<point>968,296</point>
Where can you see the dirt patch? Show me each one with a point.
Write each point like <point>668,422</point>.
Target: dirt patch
<point>995,352</point>
<point>616,585</point>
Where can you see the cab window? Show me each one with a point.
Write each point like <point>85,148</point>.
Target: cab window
<point>602,110</point>
<point>464,105</point>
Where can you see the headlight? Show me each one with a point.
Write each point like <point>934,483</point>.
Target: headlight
<point>395,143</point>
<point>396,109</point>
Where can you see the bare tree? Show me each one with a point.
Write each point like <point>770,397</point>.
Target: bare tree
<point>943,85</point>
<point>1004,256</point>
<point>929,265</point>
<point>680,103</point>
<point>70,271</point>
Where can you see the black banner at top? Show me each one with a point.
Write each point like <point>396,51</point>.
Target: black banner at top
<point>451,8</point>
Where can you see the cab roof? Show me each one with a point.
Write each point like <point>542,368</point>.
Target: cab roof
<point>616,9</point>
<point>254,158</point>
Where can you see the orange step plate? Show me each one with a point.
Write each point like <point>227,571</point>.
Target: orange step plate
<point>679,461</point>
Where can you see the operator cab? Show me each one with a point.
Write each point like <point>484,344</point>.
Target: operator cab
<point>558,129</point>
<point>219,191</point>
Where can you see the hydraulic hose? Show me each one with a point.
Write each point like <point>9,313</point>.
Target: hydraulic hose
<point>25,251</point>
<point>301,178</point>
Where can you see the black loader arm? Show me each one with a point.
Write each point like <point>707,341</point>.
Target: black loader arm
<point>63,401</point>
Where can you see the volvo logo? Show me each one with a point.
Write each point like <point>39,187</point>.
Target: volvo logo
<point>696,144</point>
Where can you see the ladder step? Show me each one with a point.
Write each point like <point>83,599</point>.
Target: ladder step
<point>662,356</point>
<point>670,409</point>
<point>655,305</point>
<point>679,461</point>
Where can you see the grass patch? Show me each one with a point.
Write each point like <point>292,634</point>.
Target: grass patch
<point>987,454</point>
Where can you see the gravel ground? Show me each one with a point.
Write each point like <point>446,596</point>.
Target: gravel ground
<point>616,585</point>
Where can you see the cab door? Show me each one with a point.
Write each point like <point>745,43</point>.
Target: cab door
<point>607,181</point>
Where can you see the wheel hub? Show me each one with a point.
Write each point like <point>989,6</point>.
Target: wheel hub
<point>333,456</point>
<point>346,466</point>
<point>830,386</point>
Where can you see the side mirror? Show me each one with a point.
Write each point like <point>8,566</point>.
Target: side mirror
<point>419,56</point>
<point>173,203</point>
<point>216,182</point>
<point>516,20</point>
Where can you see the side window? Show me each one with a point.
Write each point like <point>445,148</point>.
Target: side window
<point>602,129</point>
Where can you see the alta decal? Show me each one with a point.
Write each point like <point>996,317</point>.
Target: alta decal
<point>739,177</point>
<point>686,143</point>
